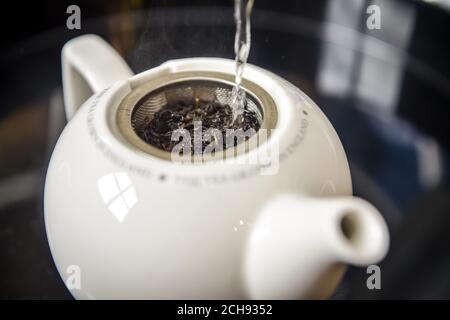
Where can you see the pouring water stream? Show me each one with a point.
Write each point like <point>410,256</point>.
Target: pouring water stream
<point>242,12</point>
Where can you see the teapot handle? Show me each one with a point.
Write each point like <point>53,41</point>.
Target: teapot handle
<point>89,64</point>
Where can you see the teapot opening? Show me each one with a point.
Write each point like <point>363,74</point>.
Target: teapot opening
<point>185,105</point>
<point>363,233</point>
<point>191,114</point>
<point>349,227</point>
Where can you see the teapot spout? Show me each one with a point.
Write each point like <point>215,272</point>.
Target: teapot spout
<point>299,246</point>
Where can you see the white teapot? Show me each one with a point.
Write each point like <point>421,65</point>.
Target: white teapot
<point>134,224</point>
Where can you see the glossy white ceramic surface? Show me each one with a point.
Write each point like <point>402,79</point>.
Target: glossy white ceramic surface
<point>142,227</point>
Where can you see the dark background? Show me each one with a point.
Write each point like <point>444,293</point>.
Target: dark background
<point>397,140</point>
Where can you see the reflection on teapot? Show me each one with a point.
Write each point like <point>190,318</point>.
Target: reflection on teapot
<point>140,225</point>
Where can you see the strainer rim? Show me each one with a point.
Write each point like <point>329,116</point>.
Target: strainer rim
<point>133,99</point>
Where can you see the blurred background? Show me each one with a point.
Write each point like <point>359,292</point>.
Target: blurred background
<point>387,92</point>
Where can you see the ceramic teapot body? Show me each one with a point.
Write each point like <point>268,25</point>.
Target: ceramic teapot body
<point>137,226</point>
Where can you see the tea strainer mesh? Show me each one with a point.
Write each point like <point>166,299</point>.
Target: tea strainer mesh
<point>187,92</point>
<point>145,100</point>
